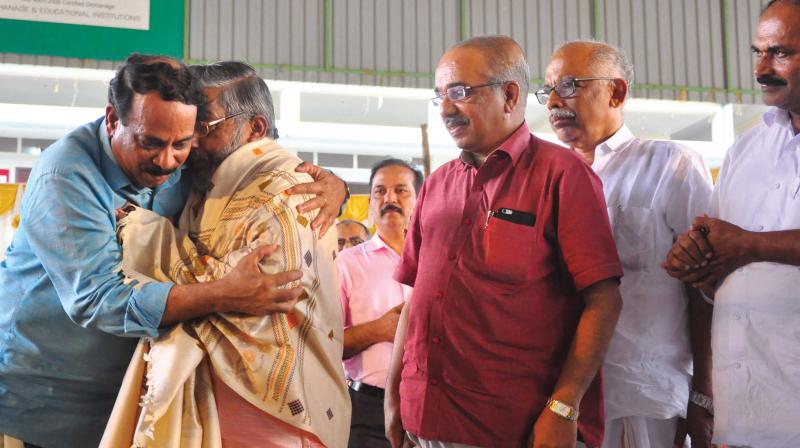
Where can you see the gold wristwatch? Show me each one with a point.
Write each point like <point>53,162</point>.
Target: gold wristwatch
<point>562,410</point>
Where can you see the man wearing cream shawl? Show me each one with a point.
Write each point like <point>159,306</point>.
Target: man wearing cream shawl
<point>233,380</point>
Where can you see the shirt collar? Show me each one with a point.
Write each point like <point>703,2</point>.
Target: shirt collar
<point>618,139</point>
<point>113,173</point>
<point>376,243</point>
<point>513,146</point>
<point>778,116</point>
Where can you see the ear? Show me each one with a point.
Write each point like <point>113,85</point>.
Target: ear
<point>258,128</point>
<point>619,93</point>
<point>511,92</point>
<point>112,120</point>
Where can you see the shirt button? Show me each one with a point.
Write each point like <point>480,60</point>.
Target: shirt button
<point>777,185</point>
<point>737,365</point>
<point>434,381</point>
<point>760,228</point>
<point>439,294</point>
<point>466,221</point>
<point>451,257</point>
<point>737,316</point>
<point>478,188</point>
<point>435,340</point>
<point>740,270</point>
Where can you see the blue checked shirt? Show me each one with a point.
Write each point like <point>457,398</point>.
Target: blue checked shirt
<point>68,320</point>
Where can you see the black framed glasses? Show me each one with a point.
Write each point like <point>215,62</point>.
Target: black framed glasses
<point>205,127</point>
<point>460,93</point>
<point>565,88</point>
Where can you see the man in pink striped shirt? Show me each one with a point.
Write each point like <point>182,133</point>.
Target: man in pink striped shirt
<point>372,299</point>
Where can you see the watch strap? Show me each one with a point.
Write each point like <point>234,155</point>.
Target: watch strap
<point>702,400</point>
<point>562,409</point>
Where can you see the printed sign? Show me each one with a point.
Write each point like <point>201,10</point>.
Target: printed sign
<point>130,14</point>
<point>162,22</point>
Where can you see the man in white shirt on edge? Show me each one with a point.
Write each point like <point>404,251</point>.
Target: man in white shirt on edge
<point>747,255</point>
<point>653,190</point>
<point>372,299</point>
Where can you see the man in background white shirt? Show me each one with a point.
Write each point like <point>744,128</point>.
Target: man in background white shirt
<point>653,190</point>
<point>747,254</point>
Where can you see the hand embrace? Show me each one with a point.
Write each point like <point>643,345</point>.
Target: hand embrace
<point>330,192</point>
<point>249,291</point>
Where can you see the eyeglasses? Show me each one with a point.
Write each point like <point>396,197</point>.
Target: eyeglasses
<point>564,88</point>
<point>459,93</point>
<point>205,127</point>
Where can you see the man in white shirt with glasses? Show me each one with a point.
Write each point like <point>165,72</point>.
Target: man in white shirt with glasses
<point>653,191</point>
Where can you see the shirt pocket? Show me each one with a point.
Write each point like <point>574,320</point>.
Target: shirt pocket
<point>508,248</point>
<point>634,235</point>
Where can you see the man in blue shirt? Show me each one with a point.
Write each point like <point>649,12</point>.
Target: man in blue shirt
<point>65,303</point>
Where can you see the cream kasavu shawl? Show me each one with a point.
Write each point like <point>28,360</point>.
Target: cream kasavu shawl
<point>288,365</point>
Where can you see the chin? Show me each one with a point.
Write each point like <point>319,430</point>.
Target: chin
<point>567,137</point>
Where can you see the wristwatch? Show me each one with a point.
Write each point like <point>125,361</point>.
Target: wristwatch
<point>702,400</point>
<point>562,410</point>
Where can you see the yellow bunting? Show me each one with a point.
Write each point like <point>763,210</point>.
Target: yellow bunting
<point>8,196</point>
<point>714,174</point>
<point>357,208</point>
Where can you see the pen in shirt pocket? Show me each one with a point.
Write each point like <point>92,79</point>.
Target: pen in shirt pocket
<point>511,215</point>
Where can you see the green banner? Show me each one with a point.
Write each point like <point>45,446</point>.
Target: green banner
<point>164,36</point>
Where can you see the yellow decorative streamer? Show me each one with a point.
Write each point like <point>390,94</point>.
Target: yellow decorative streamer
<point>357,208</point>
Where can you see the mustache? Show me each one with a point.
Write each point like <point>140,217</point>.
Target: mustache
<point>455,120</point>
<point>156,171</point>
<point>771,81</point>
<point>555,114</point>
<point>391,207</point>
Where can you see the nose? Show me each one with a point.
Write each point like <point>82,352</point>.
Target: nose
<point>390,197</point>
<point>763,65</point>
<point>447,108</point>
<point>166,160</point>
<point>554,101</point>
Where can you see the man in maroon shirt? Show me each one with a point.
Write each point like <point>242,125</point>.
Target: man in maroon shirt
<point>515,276</point>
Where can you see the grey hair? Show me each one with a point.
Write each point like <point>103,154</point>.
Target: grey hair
<point>501,59</point>
<point>605,55</point>
<point>243,90</point>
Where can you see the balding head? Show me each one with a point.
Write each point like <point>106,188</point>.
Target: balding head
<point>505,60</point>
<point>602,58</point>
<point>588,93</point>
<point>482,84</point>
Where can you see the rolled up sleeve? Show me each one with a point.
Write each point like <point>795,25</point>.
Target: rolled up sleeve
<point>70,224</point>
<point>584,233</point>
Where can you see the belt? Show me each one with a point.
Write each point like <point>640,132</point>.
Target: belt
<point>358,386</point>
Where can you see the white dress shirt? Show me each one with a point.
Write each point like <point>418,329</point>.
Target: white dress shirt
<point>756,328</point>
<point>654,190</point>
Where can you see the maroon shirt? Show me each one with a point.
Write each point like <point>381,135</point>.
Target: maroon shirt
<point>495,303</point>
